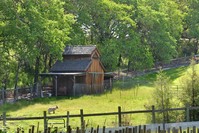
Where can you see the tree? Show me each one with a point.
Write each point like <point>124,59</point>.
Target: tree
<point>35,31</point>
<point>188,44</point>
<point>7,41</point>
<point>162,96</point>
<point>159,24</point>
<point>192,24</point>
<point>190,89</point>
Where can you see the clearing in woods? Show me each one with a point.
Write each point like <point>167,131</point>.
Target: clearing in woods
<point>130,94</point>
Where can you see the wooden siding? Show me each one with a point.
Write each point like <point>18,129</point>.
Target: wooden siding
<point>95,73</point>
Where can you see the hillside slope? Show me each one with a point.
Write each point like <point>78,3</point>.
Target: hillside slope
<point>130,94</point>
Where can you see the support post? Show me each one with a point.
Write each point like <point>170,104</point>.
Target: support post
<point>74,80</point>
<point>119,117</point>
<point>55,85</point>
<point>67,119</point>
<point>4,118</point>
<point>187,113</point>
<point>45,122</point>
<point>153,114</point>
<point>82,120</point>
<point>110,84</point>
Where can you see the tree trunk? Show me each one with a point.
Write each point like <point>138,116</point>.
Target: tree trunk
<point>129,65</point>
<point>50,62</point>
<point>5,81</point>
<point>45,62</point>
<point>36,75</point>
<point>196,47</point>
<point>16,81</point>
<point>119,64</point>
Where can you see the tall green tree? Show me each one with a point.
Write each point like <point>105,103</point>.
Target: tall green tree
<point>162,96</point>
<point>192,24</point>
<point>188,43</point>
<point>160,25</point>
<point>35,30</point>
<point>190,89</point>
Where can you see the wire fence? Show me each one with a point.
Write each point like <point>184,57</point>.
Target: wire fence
<point>28,93</point>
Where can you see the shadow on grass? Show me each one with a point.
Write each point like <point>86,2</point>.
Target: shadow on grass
<point>9,107</point>
<point>176,73</point>
<point>148,79</point>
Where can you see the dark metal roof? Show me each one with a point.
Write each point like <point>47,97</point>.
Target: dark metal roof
<point>58,74</point>
<point>71,66</point>
<point>79,50</point>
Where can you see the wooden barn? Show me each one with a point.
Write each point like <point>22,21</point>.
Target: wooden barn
<point>80,72</point>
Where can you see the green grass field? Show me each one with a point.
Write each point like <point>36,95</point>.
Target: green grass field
<point>130,94</point>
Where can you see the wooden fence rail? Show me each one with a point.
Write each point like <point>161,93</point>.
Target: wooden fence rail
<point>119,113</point>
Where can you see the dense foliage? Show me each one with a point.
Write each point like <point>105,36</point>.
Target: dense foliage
<point>128,33</point>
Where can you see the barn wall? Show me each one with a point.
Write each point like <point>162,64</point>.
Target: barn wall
<point>95,76</point>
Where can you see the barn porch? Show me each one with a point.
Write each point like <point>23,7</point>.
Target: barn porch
<point>63,84</point>
<point>73,84</point>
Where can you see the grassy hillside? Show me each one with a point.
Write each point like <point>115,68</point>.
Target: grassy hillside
<point>130,94</point>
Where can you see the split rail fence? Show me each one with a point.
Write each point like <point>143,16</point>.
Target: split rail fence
<point>82,115</point>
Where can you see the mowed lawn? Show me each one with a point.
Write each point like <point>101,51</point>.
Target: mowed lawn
<point>130,94</point>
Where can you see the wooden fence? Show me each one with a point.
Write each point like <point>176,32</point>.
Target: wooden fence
<point>82,115</point>
<point>135,129</point>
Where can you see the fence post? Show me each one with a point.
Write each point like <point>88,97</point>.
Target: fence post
<point>104,129</point>
<point>187,113</point>
<point>69,130</point>
<point>119,117</point>
<point>153,114</point>
<point>37,127</point>
<point>4,118</point>
<point>67,119</point>
<point>82,120</point>
<point>45,122</point>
